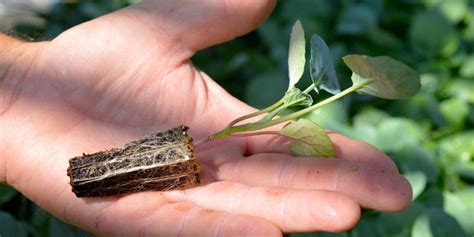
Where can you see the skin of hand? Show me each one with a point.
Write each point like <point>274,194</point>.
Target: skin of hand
<point>127,74</point>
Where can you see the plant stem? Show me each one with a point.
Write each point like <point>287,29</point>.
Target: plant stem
<point>260,125</point>
<point>247,134</point>
<point>266,110</point>
<point>310,88</point>
<point>256,113</point>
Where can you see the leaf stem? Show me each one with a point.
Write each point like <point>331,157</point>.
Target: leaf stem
<point>260,125</point>
<point>310,88</point>
<point>321,103</point>
<point>256,113</point>
<point>247,134</point>
<point>266,110</point>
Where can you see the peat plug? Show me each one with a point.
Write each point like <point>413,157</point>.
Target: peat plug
<point>161,161</point>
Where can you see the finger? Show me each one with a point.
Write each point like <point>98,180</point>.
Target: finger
<point>152,214</point>
<point>200,24</point>
<point>372,187</point>
<point>344,147</point>
<point>290,210</point>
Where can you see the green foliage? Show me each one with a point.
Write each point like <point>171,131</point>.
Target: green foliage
<point>308,139</point>
<point>296,54</point>
<point>321,69</point>
<point>10,227</point>
<point>435,222</point>
<point>418,182</point>
<point>378,76</point>
<point>435,37</point>
<point>6,194</point>
<point>391,79</point>
<point>426,34</point>
<point>295,96</point>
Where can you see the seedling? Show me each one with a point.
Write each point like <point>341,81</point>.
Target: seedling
<point>166,160</point>
<point>378,76</point>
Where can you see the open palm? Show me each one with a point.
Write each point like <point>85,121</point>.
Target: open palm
<point>128,74</point>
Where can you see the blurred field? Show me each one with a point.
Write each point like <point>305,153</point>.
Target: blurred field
<point>430,136</point>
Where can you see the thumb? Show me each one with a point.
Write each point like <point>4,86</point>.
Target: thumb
<point>200,24</point>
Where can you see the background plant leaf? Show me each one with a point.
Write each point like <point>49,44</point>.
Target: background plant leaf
<point>392,79</point>
<point>10,227</point>
<point>308,139</point>
<point>436,223</point>
<point>296,54</point>
<point>417,181</point>
<point>6,193</point>
<point>425,33</point>
<point>321,68</point>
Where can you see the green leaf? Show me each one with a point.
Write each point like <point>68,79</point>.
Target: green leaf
<point>333,116</point>
<point>468,33</point>
<point>296,54</point>
<point>458,147</point>
<point>461,206</point>
<point>367,227</point>
<point>454,11</point>
<point>6,193</point>
<point>397,224</point>
<point>320,234</point>
<point>9,226</point>
<point>370,116</point>
<point>435,222</point>
<point>394,134</point>
<point>416,158</point>
<point>418,182</point>
<point>467,67</point>
<point>463,89</point>
<point>308,139</point>
<point>390,78</point>
<point>365,125</point>
<point>295,96</point>
<point>321,69</point>
<point>454,110</point>
<point>58,228</point>
<point>357,19</point>
<point>425,34</point>
<point>274,85</point>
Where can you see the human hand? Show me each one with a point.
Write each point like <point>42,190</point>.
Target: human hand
<point>127,74</point>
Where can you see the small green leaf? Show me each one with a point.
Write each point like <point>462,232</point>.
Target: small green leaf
<point>295,97</point>
<point>467,67</point>
<point>9,226</point>
<point>461,88</point>
<point>274,85</point>
<point>454,11</point>
<point>458,147</point>
<point>308,139</point>
<point>416,158</point>
<point>322,70</point>
<point>417,181</point>
<point>395,134</point>
<point>58,228</point>
<point>425,34</point>
<point>455,111</point>
<point>296,54</point>
<point>460,205</point>
<point>436,222</point>
<point>391,79</point>
<point>6,193</point>
<point>333,116</point>
<point>358,19</point>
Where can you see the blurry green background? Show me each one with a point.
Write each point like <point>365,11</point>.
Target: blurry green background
<point>430,136</point>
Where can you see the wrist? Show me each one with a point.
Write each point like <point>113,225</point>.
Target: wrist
<point>16,60</point>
